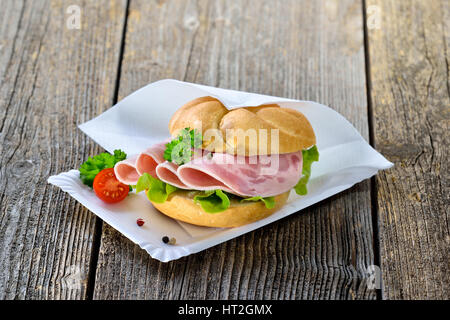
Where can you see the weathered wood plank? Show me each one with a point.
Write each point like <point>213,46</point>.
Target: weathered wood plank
<point>299,49</point>
<point>51,79</point>
<point>409,67</point>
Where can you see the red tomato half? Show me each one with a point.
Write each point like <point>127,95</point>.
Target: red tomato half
<point>108,188</point>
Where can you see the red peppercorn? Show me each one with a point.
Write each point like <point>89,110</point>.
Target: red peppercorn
<point>140,222</point>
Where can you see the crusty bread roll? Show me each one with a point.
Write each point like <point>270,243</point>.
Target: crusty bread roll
<point>181,206</point>
<point>205,113</point>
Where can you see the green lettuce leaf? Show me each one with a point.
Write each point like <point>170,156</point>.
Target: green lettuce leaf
<point>268,201</point>
<point>170,188</point>
<point>143,183</point>
<point>157,190</point>
<point>213,201</point>
<point>309,156</point>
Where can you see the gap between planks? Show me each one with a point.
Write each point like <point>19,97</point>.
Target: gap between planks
<point>373,185</point>
<point>90,287</point>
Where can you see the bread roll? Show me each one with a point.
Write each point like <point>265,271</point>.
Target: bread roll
<point>212,118</point>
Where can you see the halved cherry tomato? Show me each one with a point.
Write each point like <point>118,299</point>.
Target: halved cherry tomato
<point>108,188</point>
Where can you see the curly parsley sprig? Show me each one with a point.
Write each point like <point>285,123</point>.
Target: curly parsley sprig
<point>93,165</point>
<point>179,150</point>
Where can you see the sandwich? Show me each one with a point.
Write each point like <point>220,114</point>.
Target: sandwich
<point>224,168</point>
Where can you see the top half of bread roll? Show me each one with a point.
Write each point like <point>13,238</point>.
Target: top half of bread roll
<point>246,131</point>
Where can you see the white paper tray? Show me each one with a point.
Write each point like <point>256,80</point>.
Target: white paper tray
<point>141,119</point>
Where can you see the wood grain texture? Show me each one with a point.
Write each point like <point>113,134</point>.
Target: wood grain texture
<point>51,79</point>
<point>299,49</point>
<point>410,89</point>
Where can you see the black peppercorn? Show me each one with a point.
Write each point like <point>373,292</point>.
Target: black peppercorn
<point>168,240</point>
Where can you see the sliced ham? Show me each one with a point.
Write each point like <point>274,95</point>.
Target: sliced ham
<point>245,176</point>
<point>129,170</point>
<point>147,161</point>
<point>249,177</point>
<point>167,172</point>
<point>150,161</point>
<point>126,172</point>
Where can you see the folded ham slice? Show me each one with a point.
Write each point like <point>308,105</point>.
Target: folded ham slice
<point>129,170</point>
<point>147,161</point>
<point>244,176</point>
<point>150,161</point>
<point>126,172</point>
<point>168,172</point>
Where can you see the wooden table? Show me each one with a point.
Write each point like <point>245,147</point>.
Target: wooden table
<point>389,77</point>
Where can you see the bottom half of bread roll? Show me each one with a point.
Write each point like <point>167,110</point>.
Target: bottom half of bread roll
<point>180,205</point>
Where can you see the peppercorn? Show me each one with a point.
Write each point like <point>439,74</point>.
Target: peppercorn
<point>168,240</point>
<point>140,222</point>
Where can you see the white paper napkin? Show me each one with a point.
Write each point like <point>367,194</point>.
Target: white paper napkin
<point>142,118</point>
